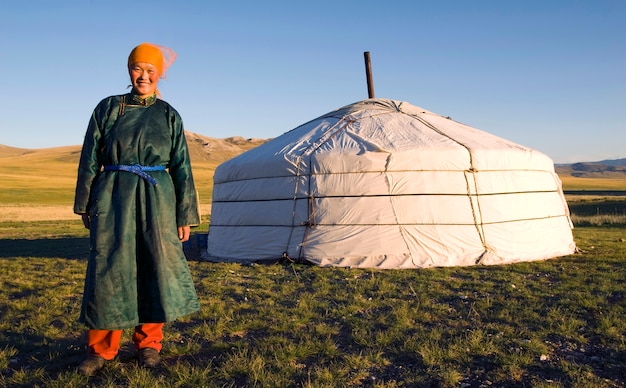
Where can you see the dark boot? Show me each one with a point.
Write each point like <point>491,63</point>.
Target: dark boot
<point>91,365</point>
<point>149,357</point>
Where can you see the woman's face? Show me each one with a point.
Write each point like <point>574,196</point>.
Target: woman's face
<point>144,78</point>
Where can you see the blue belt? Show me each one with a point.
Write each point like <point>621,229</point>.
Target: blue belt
<point>137,169</point>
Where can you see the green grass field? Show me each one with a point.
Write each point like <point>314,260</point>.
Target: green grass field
<point>555,323</point>
<point>550,323</point>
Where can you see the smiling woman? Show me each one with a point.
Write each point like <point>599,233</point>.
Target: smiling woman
<point>136,194</point>
<point>144,78</point>
<point>148,63</point>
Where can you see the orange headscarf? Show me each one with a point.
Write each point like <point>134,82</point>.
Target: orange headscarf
<point>159,56</point>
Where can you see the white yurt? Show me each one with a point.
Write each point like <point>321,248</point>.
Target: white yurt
<point>385,184</point>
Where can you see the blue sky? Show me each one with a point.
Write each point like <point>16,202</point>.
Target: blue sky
<point>547,74</point>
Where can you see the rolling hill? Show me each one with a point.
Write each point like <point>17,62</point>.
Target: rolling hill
<point>201,148</point>
<point>48,175</point>
<point>602,169</point>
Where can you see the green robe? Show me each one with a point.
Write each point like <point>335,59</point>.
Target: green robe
<point>137,271</point>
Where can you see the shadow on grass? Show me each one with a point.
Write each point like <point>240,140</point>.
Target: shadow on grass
<point>56,357</point>
<point>64,247</point>
<point>39,352</point>
<point>591,208</point>
<point>77,248</point>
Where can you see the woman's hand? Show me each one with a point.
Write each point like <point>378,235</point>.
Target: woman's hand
<point>183,233</point>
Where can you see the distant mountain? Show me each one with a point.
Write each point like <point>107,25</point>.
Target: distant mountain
<point>606,162</point>
<point>614,162</point>
<point>218,150</point>
<point>615,168</point>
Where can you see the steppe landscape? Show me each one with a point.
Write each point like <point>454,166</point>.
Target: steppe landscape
<point>554,323</point>
<point>38,183</point>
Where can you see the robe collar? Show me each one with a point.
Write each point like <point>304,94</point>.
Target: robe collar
<point>136,100</point>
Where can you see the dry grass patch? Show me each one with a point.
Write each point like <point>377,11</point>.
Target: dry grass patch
<point>28,213</point>
<point>578,183</point>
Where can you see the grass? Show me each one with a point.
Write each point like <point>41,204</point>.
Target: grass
<point>555,323</point>
<point>549,323</point>
<point>583,183</point>
<point>597,210</point>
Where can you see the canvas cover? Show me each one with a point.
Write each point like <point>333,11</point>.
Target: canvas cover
<point>384,184</point>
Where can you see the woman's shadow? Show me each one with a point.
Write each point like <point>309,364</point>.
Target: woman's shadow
<point>77,248</point>
<point>59,248</point>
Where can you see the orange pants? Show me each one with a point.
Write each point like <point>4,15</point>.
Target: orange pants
<point>106,343</point>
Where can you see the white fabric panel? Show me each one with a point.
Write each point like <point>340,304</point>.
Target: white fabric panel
<point>384,183</point>
<point>256,165</point>
<point>340,162</point>
<point>433,210</point>
<point>349,211</point>
<point>406,247</point>
<point>445,159</point>
<point>306,137</point>
<point>390,182</point>
<point>352,184</point>
<point>281,187</point>
<point>251,243</point>
<point>510,159</point>
<point>270,213</point>
<point>528,240</point>
<point>428,182</point>
<point>443,245</point>
<point>488,182</point>
<point>333,242</point>
<point>385,261</point>
<point>393,210</point>
<point>428,159</point>
<point>400,133</point>
<point>521,206</point>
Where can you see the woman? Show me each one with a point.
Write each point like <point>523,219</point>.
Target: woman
<point>136,194</point>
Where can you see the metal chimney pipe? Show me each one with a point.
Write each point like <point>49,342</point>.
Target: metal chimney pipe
<point>368,74</point>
